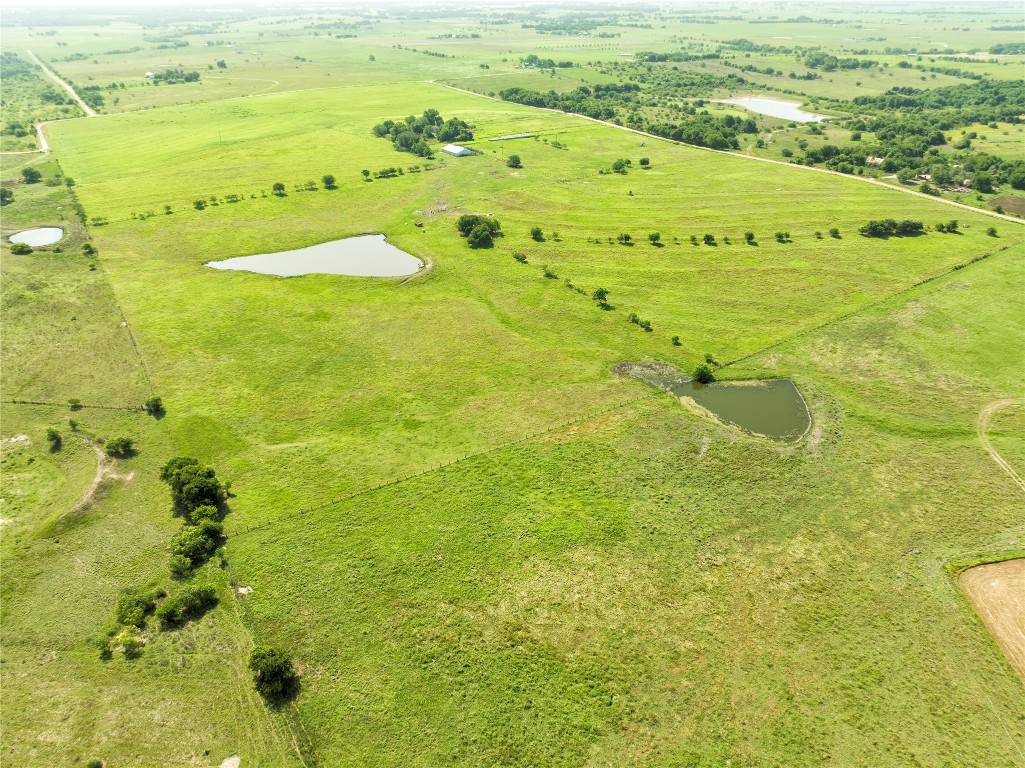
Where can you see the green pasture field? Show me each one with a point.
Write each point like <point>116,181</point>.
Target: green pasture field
<point>479,544</point>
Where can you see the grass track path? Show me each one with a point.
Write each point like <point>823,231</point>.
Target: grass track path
<point>981,423</point>
<point>985,211</point>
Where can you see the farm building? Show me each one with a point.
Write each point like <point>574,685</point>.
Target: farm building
<point>455,149</point>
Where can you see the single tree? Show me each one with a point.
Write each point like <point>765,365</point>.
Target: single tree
<point>31,175</point>
<point>834,232</point>
<point>6,196</point>
<point>992,231</point>
<point>537,234</point>
<point>54,438</point>
<point>645,162</point>
<point>154,406</point>
<point>514,161</point>
<point>329,181</point>
<point>703,374</point>
<point>708,239</point>
<point>273,675</point>
<point>278,189</point>
<point>601,295</point>
<point>520,258</point>
<point>366,174</point>
<point>655,238</point>
<point>199,204</point>
<point>21,249</point>
<point>676,341</point>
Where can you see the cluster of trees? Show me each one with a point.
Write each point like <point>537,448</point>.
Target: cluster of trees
<point>478,230</point>
<point>414,133</point>
<point>198,496</point>
<point>891,227</point>
<point>828,63</point>
<point>533,60</point>
<point>175,76</point>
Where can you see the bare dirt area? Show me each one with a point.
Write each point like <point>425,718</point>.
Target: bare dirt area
<point>997,592</point>
<point>1010,204</point>
<point>105,470</point>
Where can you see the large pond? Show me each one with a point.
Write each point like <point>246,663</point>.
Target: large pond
<point>363,256</point>
<point>38,237</point>
<point>785,110</point>
<point>773,409</point>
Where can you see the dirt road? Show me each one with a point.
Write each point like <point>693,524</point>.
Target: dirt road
<point>85,107</point>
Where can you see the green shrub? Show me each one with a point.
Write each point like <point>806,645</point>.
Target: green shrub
<point>134,605</point>
<point>190,603</point>
<point>54,438</point>
<point>154,406</point>
<point>21,249</point>
<point>119,447</point>
<point>179,566</point>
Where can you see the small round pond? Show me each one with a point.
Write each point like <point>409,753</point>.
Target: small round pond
<point>773,409</point>
<point>363,256</point>
<point>784,110</point>
<point>38,237</point>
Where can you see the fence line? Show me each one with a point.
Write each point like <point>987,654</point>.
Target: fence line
<point>437,467</point>
<point>867,307</point>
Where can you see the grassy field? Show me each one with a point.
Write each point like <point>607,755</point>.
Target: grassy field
<point>480,545</point>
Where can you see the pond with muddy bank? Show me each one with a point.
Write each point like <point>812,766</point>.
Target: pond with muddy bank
<point>772,409</point>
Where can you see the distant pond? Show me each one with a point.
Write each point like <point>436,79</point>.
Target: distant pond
<point>773,409</point>
<point>785,110</point>
<point>38,237</point>
<point>362,256</point>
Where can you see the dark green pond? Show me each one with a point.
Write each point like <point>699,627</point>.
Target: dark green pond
<point>774,409</point>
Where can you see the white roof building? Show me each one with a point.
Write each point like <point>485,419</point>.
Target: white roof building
<point>455,149</point>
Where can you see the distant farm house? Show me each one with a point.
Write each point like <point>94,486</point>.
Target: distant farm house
<point>873,161</point>
<point>456,150</point>
<point>149,75</point>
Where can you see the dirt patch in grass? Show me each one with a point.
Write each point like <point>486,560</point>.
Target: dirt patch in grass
<point>1014,205</point>
<point>997,592</point>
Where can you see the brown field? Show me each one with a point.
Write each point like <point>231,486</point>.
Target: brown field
<point>997,592</point>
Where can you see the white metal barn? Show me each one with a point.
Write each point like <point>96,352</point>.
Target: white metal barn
<point>455,149</point>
